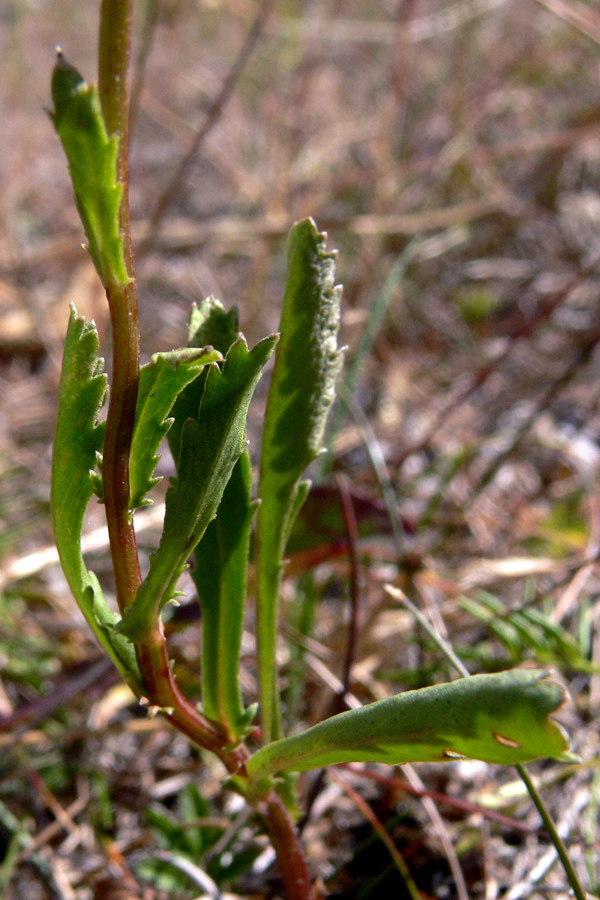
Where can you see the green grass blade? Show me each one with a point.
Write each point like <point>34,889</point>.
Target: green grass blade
<point>210,448</point>
<point>307,364</point>
<point>77,445</point>
<point>502,718</point>
<point>92,157</point>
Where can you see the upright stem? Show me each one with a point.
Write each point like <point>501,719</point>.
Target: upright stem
<point>114,55</point>
<point>157,677</point>
<point>294,874</point>
<point>113,84</point>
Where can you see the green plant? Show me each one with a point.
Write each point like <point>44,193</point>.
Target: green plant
<point>198,398</point>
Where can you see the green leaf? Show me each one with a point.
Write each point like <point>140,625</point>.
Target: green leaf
<point>502,718</point>
<point>77,444</point>
<point>221,557</point>
<point>210,324</point>
<point>220,570</point>
<point>92,157</point>
<point>307,364</point>
<point>210,447</point>
<point>161,381</point>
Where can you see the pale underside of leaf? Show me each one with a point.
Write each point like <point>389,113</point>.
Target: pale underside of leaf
<point>501,718</point>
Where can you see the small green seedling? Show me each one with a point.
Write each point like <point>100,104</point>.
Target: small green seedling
<point>198,398</point>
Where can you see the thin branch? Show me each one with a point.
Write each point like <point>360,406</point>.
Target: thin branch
<point>352,637</point>
<point>559,846</point>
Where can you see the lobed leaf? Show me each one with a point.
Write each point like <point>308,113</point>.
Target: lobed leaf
<point>161,381</point>
<point>92,157</point>
<point>77,445</point>
<point>210,447</point>
<point>502,718</point>
<point>210,324</point>
<point>307,364</point>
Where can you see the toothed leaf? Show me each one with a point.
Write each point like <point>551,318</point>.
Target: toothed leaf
<point>210,447</point>
<point>307,364</point>
<point>161,381</point>
<point>210,324</point>
<point>78,440</point>
<point>221,557</point>
<point>502,718</point>
<point>92,157</point>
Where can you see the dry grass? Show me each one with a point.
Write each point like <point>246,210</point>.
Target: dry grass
<point>472,129</point>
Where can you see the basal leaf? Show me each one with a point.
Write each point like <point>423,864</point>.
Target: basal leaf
<point>78,440</point>
<point>92,157</point>
<point>307,363</point>
<point>220,569</point>
<point>502,718</point>
<point>161,381</point>
<point>210,447</point>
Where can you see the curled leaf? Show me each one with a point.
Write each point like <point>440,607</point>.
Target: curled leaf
<point>501,718</point>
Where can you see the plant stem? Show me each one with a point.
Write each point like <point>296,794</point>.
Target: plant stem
<point>164,694</point>
<point>296,881</point>
<point>553,832</point>
<point>114,54</point>
<point>113,85</point>
<point>158,681</point>
<point>157,678</point>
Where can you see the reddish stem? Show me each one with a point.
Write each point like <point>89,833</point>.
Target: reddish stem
<point>117,445</point>
<point>163,692</point>
<point>294,874</point>
<point>113,86</point>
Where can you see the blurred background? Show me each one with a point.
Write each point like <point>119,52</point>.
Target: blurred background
<point>451,150</point>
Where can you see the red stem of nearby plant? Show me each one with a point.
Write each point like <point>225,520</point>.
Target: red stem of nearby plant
<point>155,668</point>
